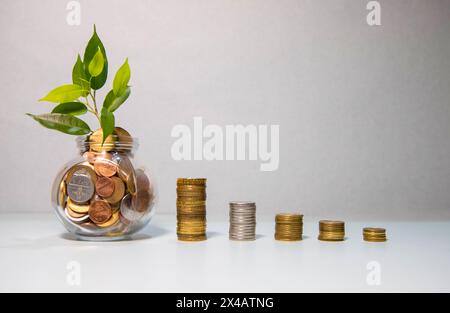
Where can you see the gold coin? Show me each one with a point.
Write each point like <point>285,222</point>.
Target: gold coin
<point>112,221</point>
<point>62,193</point>
<point>96,139</point>
<point>374,230</point>
<point>119,191</point>
<point>75,214</point>
<point>126,172</point>
<point>191,238</point>
<point>187,202</point>
<point>78,208</point>
<point>191,181</point>
<point>123,136</point>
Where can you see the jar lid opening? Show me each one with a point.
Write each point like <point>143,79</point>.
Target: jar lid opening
<point>112,143</point>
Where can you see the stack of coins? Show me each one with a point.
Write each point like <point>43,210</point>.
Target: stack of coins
<point>289,227</point>
<point>104,191</point>
<point>191,209</point>
<point>374,234</point>
<point>331,231</point>
<point>242,221</point>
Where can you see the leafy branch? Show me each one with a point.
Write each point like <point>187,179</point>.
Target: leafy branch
<point>79,98</point>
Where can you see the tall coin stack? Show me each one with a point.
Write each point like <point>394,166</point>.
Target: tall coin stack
<point>242,221</point>
<point>289,227</point>
<point>374,234</point>
<point>331,230</point>
<point>191,209</point>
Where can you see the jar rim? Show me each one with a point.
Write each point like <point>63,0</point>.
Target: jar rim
<point>112,143</point>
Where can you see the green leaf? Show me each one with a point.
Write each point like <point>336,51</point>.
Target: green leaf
<point>79,76</point>
<point>89,53</point>
<point>71,108</point>
<point>107,122</point>
<point>64,93</point>
<point>97,63</point>
<point>112,102</point>
<point>67,124</point>
<point>121,79</point>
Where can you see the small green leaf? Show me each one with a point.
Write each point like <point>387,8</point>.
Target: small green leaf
<point>97,63</point>
<point>79,76</point>
<point>71,108</point>
<point>121,79</point>
<point>64,93</point>
<point>112,102</point>
<point>107,122</point>
<point>89,53</point>
<point>67,124</point>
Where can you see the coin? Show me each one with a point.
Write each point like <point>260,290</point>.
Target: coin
<point>112,221</point>
<point>62,193</point>
<point>104,187</point>
<point>104,165</point>
<point>79,208</point>
<point>142,181</point>
<point>81,218</point>
<point>90,156</point>
<point>119,190</point>
<point>100,212</point>
<point>123,136</point>
<point>96,141</point>
<point>191,181</point>
<point>74,214</point>
<point>141,200</point>
<point>127,211</point>
<point>126,172</point>
<point>80,186</point>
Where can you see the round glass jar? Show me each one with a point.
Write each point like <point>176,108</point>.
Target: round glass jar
<point>104,194</point>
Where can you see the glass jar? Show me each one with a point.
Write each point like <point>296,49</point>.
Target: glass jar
<point>104,194</point>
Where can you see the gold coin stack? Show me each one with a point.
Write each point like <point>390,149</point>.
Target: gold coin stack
<point>374,234</point>
<point>289,227</point>
<point>191,209</point>
<point>331,230</point>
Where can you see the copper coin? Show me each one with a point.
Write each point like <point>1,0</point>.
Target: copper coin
<point>100,212</point>
<point>90,156</point>
<point>141,201</point>
<point>105,166</point>
<point>119,190</point>
<point>142,181</point>
<point>104,187</point>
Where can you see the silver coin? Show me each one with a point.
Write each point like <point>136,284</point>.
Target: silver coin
<point>244,203</point>
<point>127,211</point>
<point>81,187</point>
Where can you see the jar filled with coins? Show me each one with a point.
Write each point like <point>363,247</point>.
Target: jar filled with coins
<point>104,194</point>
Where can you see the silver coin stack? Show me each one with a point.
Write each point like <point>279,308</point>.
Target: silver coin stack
<point>242,221</point>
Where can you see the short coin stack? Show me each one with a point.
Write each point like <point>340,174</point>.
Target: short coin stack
<point>374,234</point>
<point>289,227</point>
<point>331,230</point>
<point>191,209</point>
<point>242,220</point>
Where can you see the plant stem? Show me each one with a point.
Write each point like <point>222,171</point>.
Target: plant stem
<point>91,109</point>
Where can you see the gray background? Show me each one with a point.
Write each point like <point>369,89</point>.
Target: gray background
<point>364,111</point>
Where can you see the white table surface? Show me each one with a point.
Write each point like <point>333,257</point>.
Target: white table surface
<point>35,253</point>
